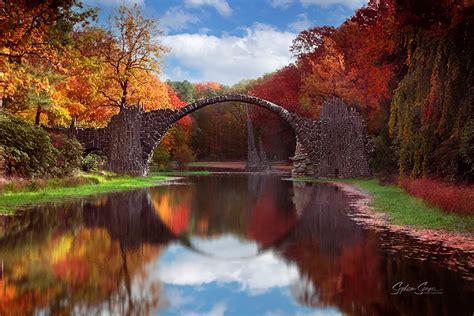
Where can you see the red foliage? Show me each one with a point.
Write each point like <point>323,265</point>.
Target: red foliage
<point>174,99</point>
<point>176,102</point>
<point>268,223</point>
<point>452,198</point>
<point>281,87</point>
<point>180,219</point>
<point>202,87</point>
<point>75,270</point>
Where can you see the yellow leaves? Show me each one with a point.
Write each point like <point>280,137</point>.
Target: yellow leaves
<point>88,80</point>
<point>61,248</point>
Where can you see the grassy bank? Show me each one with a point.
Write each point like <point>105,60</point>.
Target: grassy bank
<point>56,190</point>
<point>404,209</point>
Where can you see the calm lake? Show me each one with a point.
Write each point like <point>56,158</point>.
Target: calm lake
<point>220,244</point>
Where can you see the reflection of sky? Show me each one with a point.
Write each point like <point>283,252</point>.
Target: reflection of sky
<point>194,284</point>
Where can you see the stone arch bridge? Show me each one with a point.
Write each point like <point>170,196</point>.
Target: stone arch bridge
<point>334,146</point>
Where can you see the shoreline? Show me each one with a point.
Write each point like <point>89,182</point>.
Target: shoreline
<point>361,201</point>
<point>454,249</point>
<point>12,201</point>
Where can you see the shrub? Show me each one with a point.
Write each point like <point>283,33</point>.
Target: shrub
<point>77,181</point>
<point>93,162</point>
<point>450,197</point>
<point>69,154</point>
<point>26,150</point>
<point>183,155</point>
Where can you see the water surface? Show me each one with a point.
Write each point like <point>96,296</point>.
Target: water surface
<point>219,245</point>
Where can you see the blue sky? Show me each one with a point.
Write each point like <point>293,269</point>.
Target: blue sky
<point>231,40</point>
<point>195,285</point>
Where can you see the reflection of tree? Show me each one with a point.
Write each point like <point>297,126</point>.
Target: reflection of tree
<point>219,205</point>
<point>130,218</point>
<point>98,269</point>
<point>91,257</point>
<point>86,271</point>
<point>272,216</point>
<point>173,206</point>
<point>251,206</point>
<point>73,269</point>
<point>340,265</point>
<point>336,262</point>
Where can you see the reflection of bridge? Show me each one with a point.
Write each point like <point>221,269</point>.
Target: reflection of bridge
<point>336,145</point>
<point>131,218</point>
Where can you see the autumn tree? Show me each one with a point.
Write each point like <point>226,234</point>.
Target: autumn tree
<point>115,68</point>
<point>33,50</point>
<point>432,114</point>
<point>34,28</point>
<point>132,55</point>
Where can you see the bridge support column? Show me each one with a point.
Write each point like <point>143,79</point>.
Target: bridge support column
<point>302,164</point>
<point>125,151</point>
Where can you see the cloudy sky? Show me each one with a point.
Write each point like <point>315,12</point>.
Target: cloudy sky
<point>230,40</point>
<point>224,284</point>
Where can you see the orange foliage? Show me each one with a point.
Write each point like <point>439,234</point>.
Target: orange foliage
<point>354,62</point>
<point>173,212</point>
<point>202,87</point>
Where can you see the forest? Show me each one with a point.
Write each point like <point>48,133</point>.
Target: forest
<point>406,65</point>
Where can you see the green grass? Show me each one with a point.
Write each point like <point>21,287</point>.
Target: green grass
<point>10,201</point>
<point>405,209</point>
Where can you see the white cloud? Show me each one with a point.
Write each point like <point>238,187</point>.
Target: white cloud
<point>175,298</point>
<point>255,275</point>
<point>113,3</point>
<point>220,5</point>
<point>277,312</point>
<point>226,246</point>
<point>176,19</point>
<point>352,4</point>
<point>217,310</point>
<point>229,59</point>
<point>281,3</point>
<point>302,23</point>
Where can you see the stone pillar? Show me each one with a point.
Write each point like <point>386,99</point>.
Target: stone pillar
<point>253,160</point>
<point>264,164</point>
<point>302,165</point>
<point>125,150</point>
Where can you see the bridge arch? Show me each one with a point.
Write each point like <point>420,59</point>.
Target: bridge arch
<point>277,109</point>
<point>156,123</point>
<point>337,145</point>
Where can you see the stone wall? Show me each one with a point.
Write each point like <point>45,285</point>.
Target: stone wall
<point>343,140</point>
<point>302,165</point>
<point>125,148</point>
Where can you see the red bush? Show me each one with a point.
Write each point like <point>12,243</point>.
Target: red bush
<point>451,198</point>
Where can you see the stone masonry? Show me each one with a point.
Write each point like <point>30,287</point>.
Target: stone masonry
<point>335,146</point>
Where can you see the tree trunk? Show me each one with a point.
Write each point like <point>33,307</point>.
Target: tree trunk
<point>38,115</point>
<point>123,100</point>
